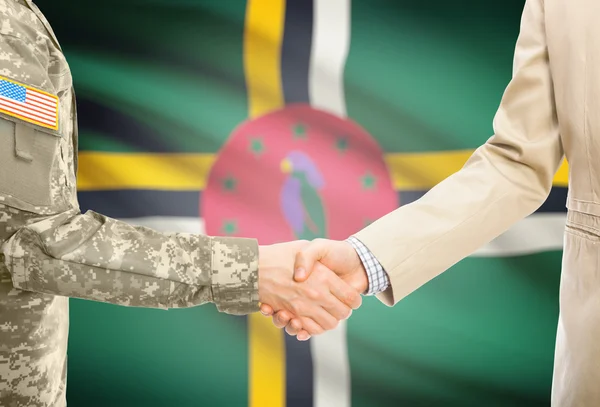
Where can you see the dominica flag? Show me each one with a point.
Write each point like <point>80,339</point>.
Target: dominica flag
<point>299,119</point>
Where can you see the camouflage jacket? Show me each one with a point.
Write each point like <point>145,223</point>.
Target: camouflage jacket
<point>51,251</point>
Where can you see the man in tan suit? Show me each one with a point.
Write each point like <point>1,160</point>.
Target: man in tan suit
<point>551,108</point>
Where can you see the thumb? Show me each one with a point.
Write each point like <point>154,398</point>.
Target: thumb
<point>306,259</point>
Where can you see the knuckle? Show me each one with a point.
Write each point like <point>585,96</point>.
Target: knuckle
<point>297,306</point>
<point>312,293</point>
<point>352,297</point>
<point>296,325</point>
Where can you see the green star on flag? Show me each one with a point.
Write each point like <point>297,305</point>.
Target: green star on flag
<point>229,183</point>
<point>257,146</point>
<point>341,144</point>
<point>368,181</point>
<point>229,227</point>
<point>299,130</point>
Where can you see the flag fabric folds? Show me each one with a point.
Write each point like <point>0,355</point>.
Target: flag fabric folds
<point>300,119</point>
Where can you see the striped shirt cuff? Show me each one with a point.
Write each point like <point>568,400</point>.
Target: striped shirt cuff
<point>378,278</point>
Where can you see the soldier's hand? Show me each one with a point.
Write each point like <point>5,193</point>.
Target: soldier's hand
<point>318,304</point>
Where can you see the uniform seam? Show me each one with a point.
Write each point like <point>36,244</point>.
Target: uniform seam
<point>8,194</point>
<point>61,73</point>
<point>14,37</point>
<point>170,296</point>
<point>582,226</point>
<point>585,126</point>
<point>212,270</point>
<point>584,201</point>
<point>583,235</point>
<point>12,264</point>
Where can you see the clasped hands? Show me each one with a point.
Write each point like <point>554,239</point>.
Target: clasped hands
<point>309,287</point>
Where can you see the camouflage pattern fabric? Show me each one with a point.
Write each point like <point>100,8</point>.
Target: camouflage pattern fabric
<point>51,251</point>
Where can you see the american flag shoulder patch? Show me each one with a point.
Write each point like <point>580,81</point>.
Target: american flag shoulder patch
<point>29,104</point>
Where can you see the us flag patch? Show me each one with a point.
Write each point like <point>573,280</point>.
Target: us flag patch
<point>29,104</point>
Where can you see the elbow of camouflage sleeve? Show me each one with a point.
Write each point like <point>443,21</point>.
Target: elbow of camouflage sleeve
<point>234,272</point>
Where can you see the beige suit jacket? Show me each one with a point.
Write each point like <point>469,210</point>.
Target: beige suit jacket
<point>551,108</point>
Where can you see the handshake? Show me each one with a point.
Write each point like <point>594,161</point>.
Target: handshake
<point>308,287</point>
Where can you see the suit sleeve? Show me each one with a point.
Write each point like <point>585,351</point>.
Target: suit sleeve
<point>505,180</point>
<point>94,257</point>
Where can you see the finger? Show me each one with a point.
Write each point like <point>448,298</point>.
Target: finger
<point>334,307</point>
<point>294,327</point>
<point>281,319</point>
<point>345,293</point>
<point>311,327</point>
<point>306,259</point>
<point>342,291</point>
<point>303,336</point>
<point>266,310</point>
<point>323,318</point>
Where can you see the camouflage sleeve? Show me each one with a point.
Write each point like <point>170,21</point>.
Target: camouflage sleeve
<point>94,257</point>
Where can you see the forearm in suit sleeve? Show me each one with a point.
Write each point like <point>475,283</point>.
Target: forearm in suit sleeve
<point>94,257</point>
<point>505,180</point>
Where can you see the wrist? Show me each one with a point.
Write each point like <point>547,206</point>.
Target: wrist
<point>360,280</point>
<point>262,273</point>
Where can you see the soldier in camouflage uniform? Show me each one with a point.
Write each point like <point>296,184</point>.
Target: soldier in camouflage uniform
<point>51,251</point>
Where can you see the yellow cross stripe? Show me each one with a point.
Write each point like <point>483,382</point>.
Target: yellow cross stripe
<point>266,363</point>
<point>263,36</point>
<point>176,172</point>
<point>561,178</point>
<point>189,172</point>
<point>422,171</point>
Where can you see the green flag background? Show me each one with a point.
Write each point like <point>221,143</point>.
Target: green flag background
<point>167,76</point>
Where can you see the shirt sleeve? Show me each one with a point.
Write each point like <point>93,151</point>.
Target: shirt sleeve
<point>94,257</point>
<point>376,275</point>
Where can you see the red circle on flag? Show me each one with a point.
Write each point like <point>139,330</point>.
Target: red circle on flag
<point>252,189</point>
